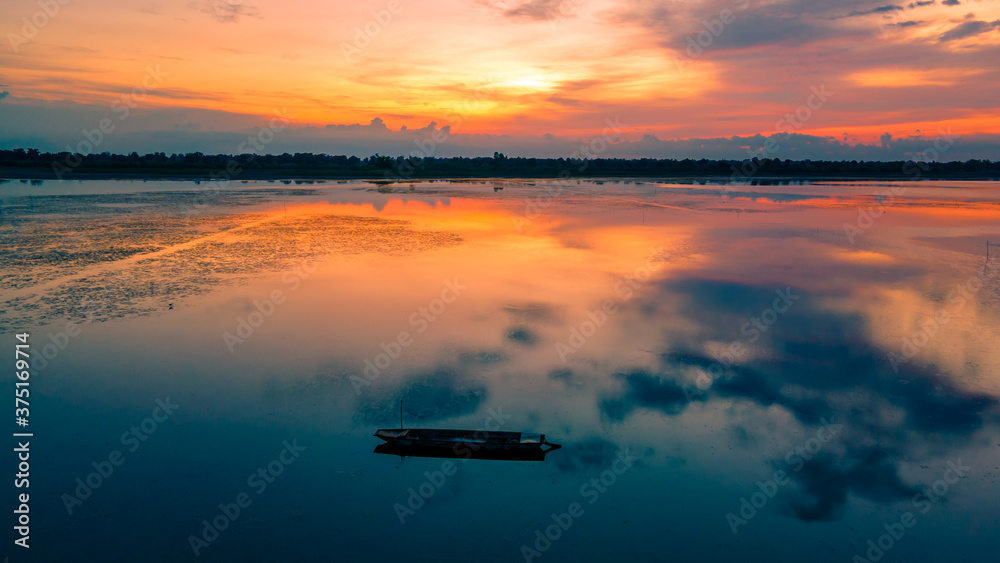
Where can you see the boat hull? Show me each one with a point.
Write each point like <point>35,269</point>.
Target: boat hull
<point>464,444</point>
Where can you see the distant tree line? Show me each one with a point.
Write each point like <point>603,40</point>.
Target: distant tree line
<point>32,162</point>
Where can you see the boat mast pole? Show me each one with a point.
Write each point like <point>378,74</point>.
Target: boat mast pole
<point>401,414</point>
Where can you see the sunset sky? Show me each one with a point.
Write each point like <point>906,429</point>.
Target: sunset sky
<point>524,76</point>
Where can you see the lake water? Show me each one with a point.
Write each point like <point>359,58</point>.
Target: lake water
<point>776,372</point>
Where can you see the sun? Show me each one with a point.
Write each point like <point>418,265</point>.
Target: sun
<point>531,83</point>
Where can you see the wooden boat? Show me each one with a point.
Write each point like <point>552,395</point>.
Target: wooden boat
<point>466,444</point>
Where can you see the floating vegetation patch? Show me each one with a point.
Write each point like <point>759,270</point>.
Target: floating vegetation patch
<point>522,335</point>
<point>110,256</point>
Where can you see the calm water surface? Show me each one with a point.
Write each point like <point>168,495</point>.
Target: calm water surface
<point>788,377</point>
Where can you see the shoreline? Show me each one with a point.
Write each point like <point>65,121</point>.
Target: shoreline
<point>282,175</point>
